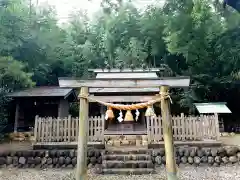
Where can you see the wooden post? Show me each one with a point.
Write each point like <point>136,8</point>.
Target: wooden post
<point>16,117</point>
<point>36,129</point>
<point>69,127</point>
<point>102,109</point>
<point>81,173</point>
<point>102,112</point>
<point>183,127</point>
<point>168,136</point>
<point>217,126</point>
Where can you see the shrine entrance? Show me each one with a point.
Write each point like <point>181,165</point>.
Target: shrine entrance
<point>126,84</point>
<point>119,95</point>
<point>136,127</point>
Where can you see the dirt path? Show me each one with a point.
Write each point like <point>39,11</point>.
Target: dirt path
<point>15,146</point>
<point>232,140</point>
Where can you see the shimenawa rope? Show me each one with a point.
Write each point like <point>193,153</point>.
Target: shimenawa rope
<point>132,106</point>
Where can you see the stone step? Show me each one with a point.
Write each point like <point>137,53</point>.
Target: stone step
<point>126,157</point>
<point>132,147</point>
<point>128,171</point>
<point>127,164</point>
<point>127,151</point>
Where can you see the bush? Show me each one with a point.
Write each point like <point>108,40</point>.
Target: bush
<point>13,76</point>
<point>3,113</point>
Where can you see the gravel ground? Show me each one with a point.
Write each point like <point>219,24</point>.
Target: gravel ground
<point>186,173</point>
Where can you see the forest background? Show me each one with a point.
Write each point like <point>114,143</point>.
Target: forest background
<point>195,38</point>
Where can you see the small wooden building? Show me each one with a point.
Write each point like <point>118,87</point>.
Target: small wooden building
<point>41,101</point>
<point>125,96</point>
<point>217,108</point>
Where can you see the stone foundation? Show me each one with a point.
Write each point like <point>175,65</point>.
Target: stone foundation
<point>196,156</point>
<point>215,156</point>
<point>47,158</point>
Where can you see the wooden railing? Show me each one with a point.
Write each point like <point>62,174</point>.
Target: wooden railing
<point>185,128</point>
<point>66,129</point>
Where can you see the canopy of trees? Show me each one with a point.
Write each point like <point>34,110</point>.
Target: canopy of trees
<point>191,37</point>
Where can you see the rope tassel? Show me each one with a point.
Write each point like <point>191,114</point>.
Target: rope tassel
<point>109,114</point>
<point>150,112</point>
<point>128,116</point>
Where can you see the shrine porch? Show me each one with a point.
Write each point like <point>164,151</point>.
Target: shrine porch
<point>97,145</point>
<point>120,129</point>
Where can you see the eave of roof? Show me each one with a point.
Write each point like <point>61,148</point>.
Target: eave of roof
<point>123,90</point>
<point>212,107</point>
<point>47,91</point>
<point>126,70</point>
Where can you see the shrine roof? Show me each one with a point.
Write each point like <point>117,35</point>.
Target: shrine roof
<point>216,107</point>
<point>127,70</point>
<point>123,90</point>
<point>46,91</point>
<point>126,73</point>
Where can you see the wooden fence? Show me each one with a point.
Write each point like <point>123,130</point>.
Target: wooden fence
<point>185,128</point>
<point>66,129</point>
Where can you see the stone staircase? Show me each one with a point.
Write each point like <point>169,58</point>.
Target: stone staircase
<point>127,160</point>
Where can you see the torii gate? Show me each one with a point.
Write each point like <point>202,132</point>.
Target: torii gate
<point>163,83</point>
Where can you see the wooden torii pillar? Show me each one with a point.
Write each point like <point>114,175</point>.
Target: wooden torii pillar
<point>81,173</point>
<point>164,83</point>
<point>168,136</point>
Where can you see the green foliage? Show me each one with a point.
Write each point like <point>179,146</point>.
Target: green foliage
<point>12,75</point>
<point>191,37</point>
<point>4,100</point>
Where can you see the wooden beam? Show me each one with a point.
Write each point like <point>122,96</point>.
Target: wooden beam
<point>122,98</point>
<point>81,172</point>
<point>123,90</point>
<point>126,70</point>
<point>137,83</point>
<point>141,75</point>
<point>217,126</point>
